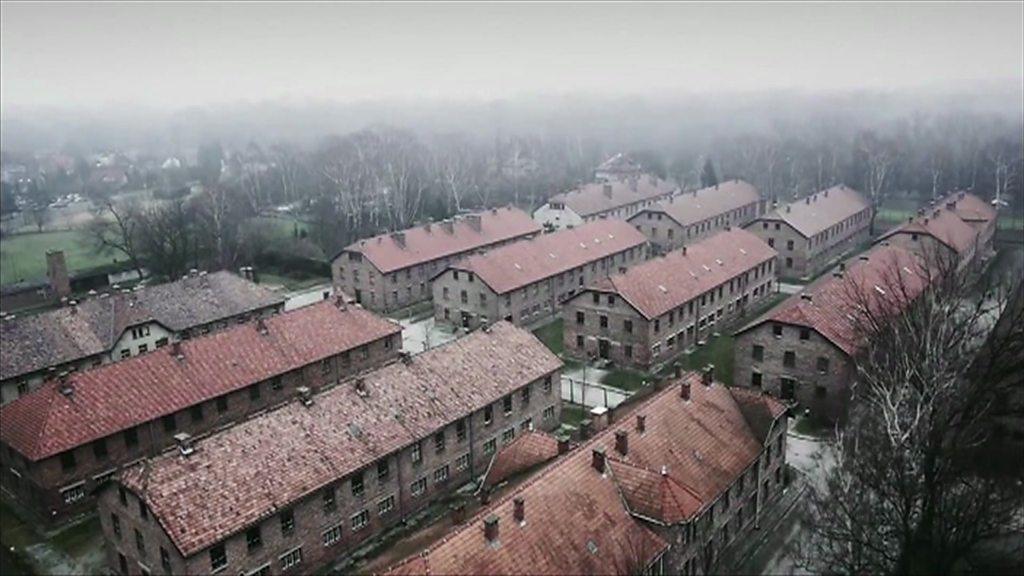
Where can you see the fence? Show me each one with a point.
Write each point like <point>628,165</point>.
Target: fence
<point>591,394</point>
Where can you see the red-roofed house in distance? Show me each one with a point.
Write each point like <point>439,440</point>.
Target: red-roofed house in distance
<point>67,437</point>
<point>649,314</point>
<point>692,216</point>
<point>960,226</point>
<point>812,232</point>
<point>392,271</point>
<point>526,281</point>
<point>666,491</point>
<point>618,198</point>
<point>804,350</point>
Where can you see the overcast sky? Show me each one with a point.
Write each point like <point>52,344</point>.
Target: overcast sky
<point>183,54</point>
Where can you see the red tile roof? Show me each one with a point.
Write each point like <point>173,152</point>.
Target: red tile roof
<point>529,450</point>
<point>576,520</point>
<point>692,207</point>
<point>217,491</point>
<point>819,211</point>
<point>890,277</point>
<point>946,225</point>
<point>33,343</point>
<point>522,263</point>
<point>591,198</point>
<point>442,239</point>
<point>117,396</point>
<point>656,286</point>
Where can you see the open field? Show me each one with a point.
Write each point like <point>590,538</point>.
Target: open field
<point>23,257</point>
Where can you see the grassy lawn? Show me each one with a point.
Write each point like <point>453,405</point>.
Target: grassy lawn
<point>292,283</point>
<point>283,227</point>
<point>551,336</point>
<point>573,414</point>
<point>23,256</point>
<point>811,426</point>
<point>717,351</point>
<point>627,380</point>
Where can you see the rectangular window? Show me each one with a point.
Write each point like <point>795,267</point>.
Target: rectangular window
<point>579,341</point>
<point>165,560</point>
<point>462,463</point>
<point>417,454</point>
<point>460,430</point>
<point>439,442</point>
<point>253,539</point>
<point>490,446</point>
<point>357,484</point>
<point>580,319</point>
<point>777,330</point>
<point>360,520</point>
<point>329,501</point>
<point>332,535</point>
<point>287,523</point>
<point>805,334</point>
<point>549,412</point>
<point>488,415</point>
<point>419,487</point>
<point>603,321</point>
<point>547,384</point>
<point>628,350</point>
<point>170,423</point>
<point>99,449</point>
<point>291,559</point>
<point>222,404</point>
<point>115,525</point>
<point>789,359</point>
<point>254,392</point>
<point>196,413</point>
<point>758,352</point>
<point>755,379</point>
<point>508,435</point>
<point>441,474</point>
<point>525,394</point>
<point>143,510</point>
<point>385,505</point>
<point>506,403</point>
<point>822,364</point>
<point>383,470</point>
<point>140,543</point>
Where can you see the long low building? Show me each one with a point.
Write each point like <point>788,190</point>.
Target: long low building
<point>528,280</point>
<point>803,350</point>
<point>67,437</point>
<point>392,271</point>
<point>694,470</point>
<point>613,198</point>
<point>692,216</point>
<point>651,313</point>
<point>812,232</point>
<point>959,228</point>
<point>303,484</point>
<point>115,326</point>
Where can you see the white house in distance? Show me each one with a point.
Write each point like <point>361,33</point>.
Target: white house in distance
<point>618,199</point>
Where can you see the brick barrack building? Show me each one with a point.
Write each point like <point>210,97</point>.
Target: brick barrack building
<point>64,439</point>
<point>528,280</point>
<point>692,216</point>
<point>300,486</point>
<point>654,311</point>
<point>613,198</point>
<point>392,271</point>
<point>115,326</point>
<point>812,232</point>
<point>665,490</point>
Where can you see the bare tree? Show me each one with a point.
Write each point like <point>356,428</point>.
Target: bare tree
<point>115,228</point>
<point>879,161</point>
<point>906,494</point>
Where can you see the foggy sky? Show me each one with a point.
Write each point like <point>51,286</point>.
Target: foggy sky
<point>178,55</point>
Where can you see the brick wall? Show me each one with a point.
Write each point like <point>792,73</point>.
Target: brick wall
<point>312,519</point>
<point>665,234</point>
<point>659,340</point>
<point>825,393</point>
<point>40,485</point>
<point>802,257</point>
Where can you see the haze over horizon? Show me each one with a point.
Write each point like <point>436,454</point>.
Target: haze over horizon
<point>174,56</point>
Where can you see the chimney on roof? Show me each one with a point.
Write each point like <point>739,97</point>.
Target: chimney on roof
<point>305,395</point>
<point>563,444</point>
<point>728,227</point>
<point>677,370</point>
<point>427,226</point>
<point>491,529</point>
<point>597,459</point>
<point>926,221</point>
<point>788,208</point>
<point>684,249</point>
<point>405,356</point>
<point>184,443</point>
<point>458,513</point>
<point>806,296</point>
<point>67,387</point>
<point>193,273</point>
<point>519,510</point>
<point>360,385</point>
<point>708,375</point>
<point>863,258</point>
<point>684,390</point>
<point>261,326</point>
<point>399,238</point>
<point>494,210</point>
<point>807,200</point>
<point>622,442</point>
<point>57,273</point>
<point>176,350</point>
<point>599,416</point>
<point>607,189</point>
<point>826,193</point>
<point>641,423</point>
<point>585,427</point>
<point>73,304</point>
<point>474,221</point>
<point>936,213</point>
<point>339,301</point>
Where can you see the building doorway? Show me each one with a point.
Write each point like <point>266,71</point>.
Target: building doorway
<point>603,348</point>
<point>465,319</point>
